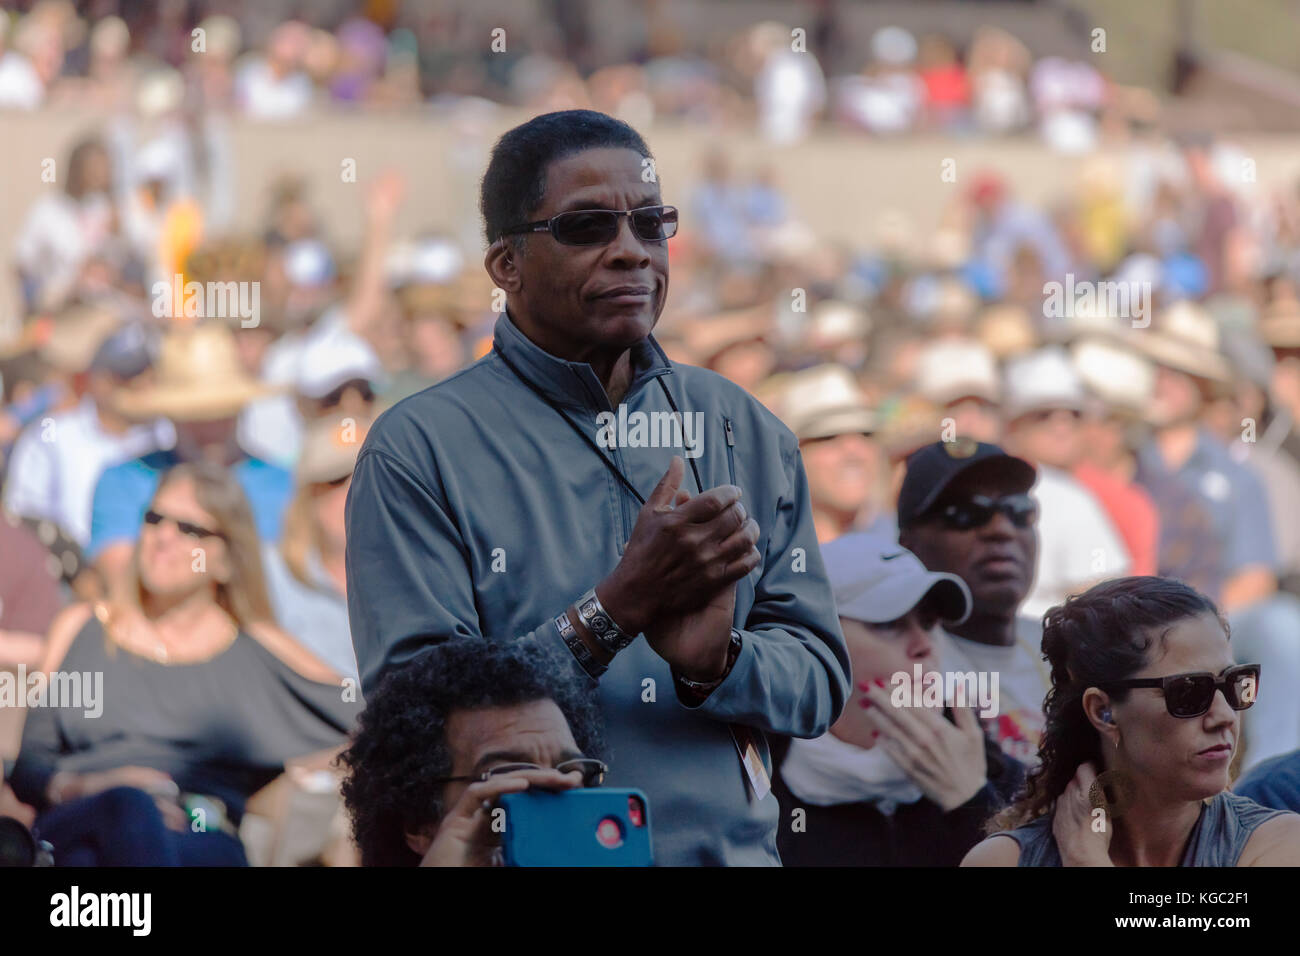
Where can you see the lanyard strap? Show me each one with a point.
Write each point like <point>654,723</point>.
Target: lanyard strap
<point>589,440</point>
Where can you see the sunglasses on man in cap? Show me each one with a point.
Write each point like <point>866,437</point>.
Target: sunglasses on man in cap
<point>976,511</point>
<point>932,470</point>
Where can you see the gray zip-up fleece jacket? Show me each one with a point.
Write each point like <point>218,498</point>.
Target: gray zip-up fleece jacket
<point>475,511</point>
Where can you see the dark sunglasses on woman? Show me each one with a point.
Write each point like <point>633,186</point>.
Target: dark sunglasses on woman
<point>591,227</point>
<point>184,527</point>
<point>335,398</point>
<point>1191,695</point>
<point>978,510</point>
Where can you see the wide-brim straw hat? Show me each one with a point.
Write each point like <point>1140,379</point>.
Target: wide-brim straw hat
<point>1040,381</point>
<point>948,369</point>
<point>66,341</point>
<point>707,338</point>
<point>823,402</point>
<point>1185,337</point>
<point>199,378</point>
<point>1114,372</point>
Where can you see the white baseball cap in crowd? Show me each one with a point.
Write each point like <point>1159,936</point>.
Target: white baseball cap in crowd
<point>335,356</point>
<point>874,579</point>
<point>308,263</point>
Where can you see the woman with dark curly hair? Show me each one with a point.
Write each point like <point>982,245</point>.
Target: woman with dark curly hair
<point>447,733</point>
<point>1142,724</point>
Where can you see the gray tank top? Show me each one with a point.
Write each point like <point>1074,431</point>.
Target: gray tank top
<point>1225,824</point>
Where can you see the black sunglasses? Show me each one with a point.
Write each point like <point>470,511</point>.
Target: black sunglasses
<point>184,527</point>
<point>335,397</point>
<point>978,510</point>
<point>593,771</point>
<point>1191,695</point>
<point>591,227</point>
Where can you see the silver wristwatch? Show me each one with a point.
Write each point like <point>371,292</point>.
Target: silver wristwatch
<point>602,627</point>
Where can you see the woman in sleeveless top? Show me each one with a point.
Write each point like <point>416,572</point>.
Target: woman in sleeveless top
<point>1145,694</point>
<point>192,700</point>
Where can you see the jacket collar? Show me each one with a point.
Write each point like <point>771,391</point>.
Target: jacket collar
<point>573,383</point>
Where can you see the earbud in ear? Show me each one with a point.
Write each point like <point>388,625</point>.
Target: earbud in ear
<point>1105,715</point>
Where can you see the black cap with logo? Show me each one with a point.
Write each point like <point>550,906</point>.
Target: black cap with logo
<point>931,469</point>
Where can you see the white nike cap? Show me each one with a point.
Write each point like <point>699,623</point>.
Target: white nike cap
<point>875,579</point>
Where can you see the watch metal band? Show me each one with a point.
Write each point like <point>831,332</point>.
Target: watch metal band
<point>579,650</point>
<point>603,628</point>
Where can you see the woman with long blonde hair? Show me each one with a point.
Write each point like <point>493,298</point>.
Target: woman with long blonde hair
<point>305,572</point>
<point>201,697</point>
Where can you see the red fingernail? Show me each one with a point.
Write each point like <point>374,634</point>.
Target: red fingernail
<point>864,686</point>
<point>880,682</point>
<point>864,702</point>
<point>875,734</point>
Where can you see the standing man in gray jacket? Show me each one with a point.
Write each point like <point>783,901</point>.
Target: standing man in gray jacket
<point>647,521</point>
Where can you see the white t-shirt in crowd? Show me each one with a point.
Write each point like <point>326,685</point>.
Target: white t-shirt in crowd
<point>264,95</point>
<point>58,235</point>
<point>1077,544</point>
<point>20,85</point>
<point>1023,681</point>
<point>57,461</point>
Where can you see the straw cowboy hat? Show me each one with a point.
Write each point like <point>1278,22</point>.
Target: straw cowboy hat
<point>1115,373</point>
<point>67,340</point>
<point>832,323</point>
<point>707,338</point>
<point>953,368</point>
<point>1185,337</point>
<point>1041,380</point>
<point>823,402</point>
<point>199,378</point>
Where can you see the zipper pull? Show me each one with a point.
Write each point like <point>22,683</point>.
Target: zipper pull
<point>726,426</point>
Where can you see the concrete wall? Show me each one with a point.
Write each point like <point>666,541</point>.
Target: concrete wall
<point>838,182</point>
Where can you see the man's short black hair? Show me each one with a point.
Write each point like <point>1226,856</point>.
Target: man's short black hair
<point>400,748</point>
<point>515,182</point>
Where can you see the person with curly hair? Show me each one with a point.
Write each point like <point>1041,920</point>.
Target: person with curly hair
<point>449,733</point>
<point>1141,727</point>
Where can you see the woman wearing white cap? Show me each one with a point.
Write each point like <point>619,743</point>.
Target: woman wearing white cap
<point>891,786</point>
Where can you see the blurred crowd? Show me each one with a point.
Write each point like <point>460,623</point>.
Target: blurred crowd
<point>1163,430</point>
<point>782,78</point>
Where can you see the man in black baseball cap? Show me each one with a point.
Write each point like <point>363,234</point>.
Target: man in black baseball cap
<point>965,509</point>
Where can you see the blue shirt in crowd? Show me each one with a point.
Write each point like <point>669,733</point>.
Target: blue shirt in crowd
<point>1274,783</point>
<point>1230,494</point>
<point>124,491</point>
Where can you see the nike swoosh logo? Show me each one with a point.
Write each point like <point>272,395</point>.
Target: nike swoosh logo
<point>890,557</point>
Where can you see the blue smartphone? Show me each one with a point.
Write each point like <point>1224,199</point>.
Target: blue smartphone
<point>584,827</point>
